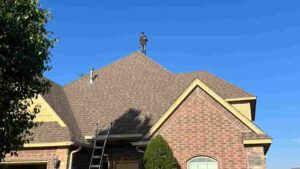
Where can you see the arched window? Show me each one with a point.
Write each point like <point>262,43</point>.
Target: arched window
<point>202,163</point>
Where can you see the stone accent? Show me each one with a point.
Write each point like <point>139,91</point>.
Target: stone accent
<point>256,157</point>
<point>42,154</point>
<point>200,126</point>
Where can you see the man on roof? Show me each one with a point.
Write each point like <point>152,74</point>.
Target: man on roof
<point>143,42</point>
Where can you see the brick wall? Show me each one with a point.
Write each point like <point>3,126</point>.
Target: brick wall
<point>123,153</point>
<point>39,154</point>
<point>120,152</point>
<point>202,127</point>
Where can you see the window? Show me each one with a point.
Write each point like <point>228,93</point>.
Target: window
<point>202,163</point>
<point>127,165</point>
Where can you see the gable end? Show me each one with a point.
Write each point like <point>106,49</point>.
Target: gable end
<point>185,94</point>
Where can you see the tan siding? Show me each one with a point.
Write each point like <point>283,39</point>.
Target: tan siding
<point>244,108</point>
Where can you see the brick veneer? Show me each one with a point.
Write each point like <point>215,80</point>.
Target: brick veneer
<point>202,127</point>
<point>42,154</point>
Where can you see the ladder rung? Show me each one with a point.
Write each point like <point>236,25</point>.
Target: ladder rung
<point>95,155</point>
<point>94,166</point>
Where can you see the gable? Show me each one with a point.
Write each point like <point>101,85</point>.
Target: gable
<point>220,100</point>
<point>46,114</point>
<point>200,126</point>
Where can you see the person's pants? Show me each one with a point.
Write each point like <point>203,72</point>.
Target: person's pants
<point>143,49</point>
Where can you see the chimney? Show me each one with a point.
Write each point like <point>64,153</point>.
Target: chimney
<point>91,75</point>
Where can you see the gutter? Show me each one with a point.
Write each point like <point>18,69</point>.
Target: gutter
<point>115,137</point>
<point>71,156</point>
<point>139,144</point>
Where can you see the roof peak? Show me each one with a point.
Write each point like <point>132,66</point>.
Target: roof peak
<point>132,56</point>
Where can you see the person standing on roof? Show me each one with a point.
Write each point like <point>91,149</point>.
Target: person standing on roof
<point>143,42</point>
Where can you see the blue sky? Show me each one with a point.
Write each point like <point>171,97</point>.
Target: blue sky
<point>253,44</point>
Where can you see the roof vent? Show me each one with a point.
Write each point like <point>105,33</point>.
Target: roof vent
<point>91,75</point>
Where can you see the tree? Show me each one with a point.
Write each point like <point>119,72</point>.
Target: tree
<point>24,57</point>
<point>158,155</point>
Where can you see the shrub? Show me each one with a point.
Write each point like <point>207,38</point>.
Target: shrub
<point>158,155</point>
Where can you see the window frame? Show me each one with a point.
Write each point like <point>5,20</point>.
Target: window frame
<point>203,157</point>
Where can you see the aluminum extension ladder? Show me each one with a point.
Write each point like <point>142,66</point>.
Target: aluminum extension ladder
<point>98,151</point>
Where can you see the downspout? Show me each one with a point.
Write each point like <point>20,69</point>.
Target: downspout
<point>139,150</point>
<point>71,156</point>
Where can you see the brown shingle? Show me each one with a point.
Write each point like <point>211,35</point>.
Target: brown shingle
<point>57,99</point>
<point>254,136</point>
<point>218,85</point>
<point>50,132</point>
<point>133,83</point>
<point>134,92</point>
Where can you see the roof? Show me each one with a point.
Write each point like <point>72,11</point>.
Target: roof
<point>51,131</point>
<point>133,92</point>
<point>223,88</point>
<point>134,89</point>
<point>254,136</point>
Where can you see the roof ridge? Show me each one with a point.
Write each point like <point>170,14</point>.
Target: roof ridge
<point>133,54</point>
<point>196,71</point>
<point>151,60</point>
<point>117,61</point>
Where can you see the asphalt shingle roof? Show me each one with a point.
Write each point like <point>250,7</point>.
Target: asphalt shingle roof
<point>132,92</point>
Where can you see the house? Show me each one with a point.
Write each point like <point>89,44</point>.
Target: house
<point>207,122</point>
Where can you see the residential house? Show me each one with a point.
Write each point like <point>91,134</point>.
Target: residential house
<point>207,122</point>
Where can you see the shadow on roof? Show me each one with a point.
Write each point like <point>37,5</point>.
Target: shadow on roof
<point>131,122</point>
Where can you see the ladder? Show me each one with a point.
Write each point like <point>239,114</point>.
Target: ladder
<point>98,151</point>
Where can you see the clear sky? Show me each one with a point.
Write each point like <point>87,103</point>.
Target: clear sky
<point>254,44</point>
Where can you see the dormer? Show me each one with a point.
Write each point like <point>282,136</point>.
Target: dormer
<point>245,105</point>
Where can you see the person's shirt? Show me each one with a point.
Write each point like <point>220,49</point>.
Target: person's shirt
<point>143,40</point>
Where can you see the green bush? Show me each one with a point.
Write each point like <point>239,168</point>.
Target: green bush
<point>158,155</point>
